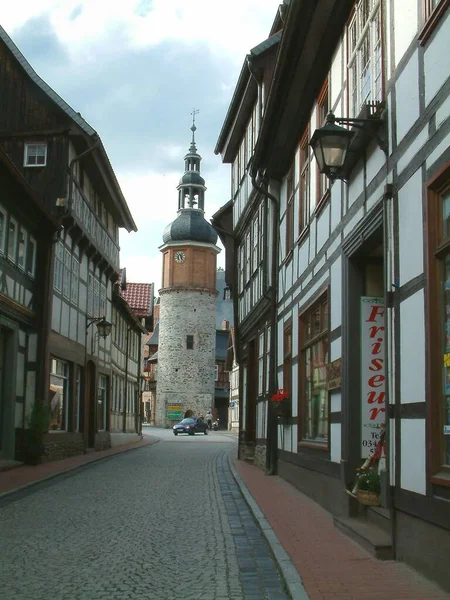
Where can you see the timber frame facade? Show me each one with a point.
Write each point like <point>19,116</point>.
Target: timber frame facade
<point>351,318</point>
<point>62,159</point>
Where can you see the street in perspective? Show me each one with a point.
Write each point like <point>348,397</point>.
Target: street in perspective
<point>163,522</point>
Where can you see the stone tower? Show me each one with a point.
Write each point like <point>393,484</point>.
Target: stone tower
<point>187,321</point>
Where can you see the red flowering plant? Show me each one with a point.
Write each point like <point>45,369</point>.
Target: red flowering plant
<point>280,395</point>
<point>281,404</point>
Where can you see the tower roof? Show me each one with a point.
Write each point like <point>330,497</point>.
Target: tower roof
<point>190,225</point>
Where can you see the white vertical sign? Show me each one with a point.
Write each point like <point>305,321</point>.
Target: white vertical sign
<point>373,377</point>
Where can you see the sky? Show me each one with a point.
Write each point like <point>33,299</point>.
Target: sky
<point>135,69</point>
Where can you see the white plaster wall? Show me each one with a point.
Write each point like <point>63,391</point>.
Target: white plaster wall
<point>413,455</point>
<point>376,159</point>
<point>336,294</point>
<point>56,313</point>
<point>312,240</point>
<point>73,323</point>
<point>413,149</point>
<point>405,26</point>
<point>186,376</point>
<point>336,349</point>
<point>336,75</point>
<point>438,151</point>
<point>335,401</point>
<point>410,217</point>
<point>443,112</point>
<point>356,183</point>
<point>303,257</point>
<point>335,204</point>
<point>407,97</point>
<point>65,317</point>
<point>437,60</point>
<point>335,442</point>
<point>412,344</point>
<point>323,226</point>
<point>353,222</point>
<point>32,347</point>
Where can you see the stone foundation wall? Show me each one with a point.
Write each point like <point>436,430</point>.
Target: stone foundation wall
<point>61,445</point>
<point>260,456</point>
<point>102,441</point>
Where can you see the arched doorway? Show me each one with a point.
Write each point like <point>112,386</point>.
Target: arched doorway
<point>188,413</point>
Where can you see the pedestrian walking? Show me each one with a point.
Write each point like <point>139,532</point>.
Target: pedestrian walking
<point>208,419</point>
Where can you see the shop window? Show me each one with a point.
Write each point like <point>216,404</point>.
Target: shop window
<point>35,155</point>
<point>189,342</point>
<point>365,64</point>
<point>287,358</point>
<point>102,402</point>
<point>59,395</point>
<point>313,398</point>
<point>438,226</point>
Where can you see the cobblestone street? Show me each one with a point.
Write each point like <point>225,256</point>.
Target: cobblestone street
<point>164,522</point>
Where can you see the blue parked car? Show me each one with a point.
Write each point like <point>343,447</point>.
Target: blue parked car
<point>190,426</point>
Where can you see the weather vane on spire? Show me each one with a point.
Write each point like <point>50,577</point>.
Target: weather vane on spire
<point>194,112</point>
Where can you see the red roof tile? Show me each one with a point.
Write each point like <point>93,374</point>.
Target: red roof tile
<point>139,297</point>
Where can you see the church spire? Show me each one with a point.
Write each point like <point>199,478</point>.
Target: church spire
<point>191,189</point>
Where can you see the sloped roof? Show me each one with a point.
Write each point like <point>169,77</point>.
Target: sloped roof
<point>128,221</point>
<point>139,297</point>
<point>154,338</point>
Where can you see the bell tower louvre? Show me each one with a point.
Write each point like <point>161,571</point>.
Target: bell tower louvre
<point>187,337</point>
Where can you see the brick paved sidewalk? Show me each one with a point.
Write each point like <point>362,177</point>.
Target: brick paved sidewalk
<point>25,475</point>
<point>331,566</point>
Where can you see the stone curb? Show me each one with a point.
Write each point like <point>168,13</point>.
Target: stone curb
<point>291,577</point>
<point>74,468</point>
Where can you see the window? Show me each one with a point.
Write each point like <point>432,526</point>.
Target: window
<point>290,212</point>
<point>365,56</point>
<point>2,229</point>
<point>189,342</point>
<point>66,272</point>
<point>77,398</point>
<point>313,397</point>
<point>12,239</point>
<point>59,267</point>
<point>59,395</point>
<point>438,225</point>
<point>216,372</point>
<point>75,280</point>
<point>22,252</point>
<point>323,183</point>
<point>102,399</point>
<point>31,257</point>
<point>261,364</point>
<point>432,11</point>
<point>287,357</point>
<point>268,360</point>
<point>303,210</point>
<point>35,155</point>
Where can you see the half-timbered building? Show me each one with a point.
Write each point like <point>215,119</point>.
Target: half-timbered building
<point>63,160</point>
<point>360,333</point>
<point>27,231</point>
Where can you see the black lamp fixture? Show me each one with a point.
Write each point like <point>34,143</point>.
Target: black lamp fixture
<point>103,326</point>
<point>331,143</point>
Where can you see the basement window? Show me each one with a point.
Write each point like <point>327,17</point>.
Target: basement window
<point>189,342</point>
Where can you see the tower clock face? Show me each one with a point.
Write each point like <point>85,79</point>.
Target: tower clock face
<point>180,256</point>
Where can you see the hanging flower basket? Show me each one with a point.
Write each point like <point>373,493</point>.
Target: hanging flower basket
<point>280,403</point>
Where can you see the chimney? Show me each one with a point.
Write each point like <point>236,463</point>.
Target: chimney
<point>225,324</point>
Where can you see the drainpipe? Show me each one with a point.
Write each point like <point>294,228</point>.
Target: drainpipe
<point>272,427</point>
<point>71,168</point>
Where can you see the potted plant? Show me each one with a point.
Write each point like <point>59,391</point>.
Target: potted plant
<point>368,487</point>
<point>34,436</point>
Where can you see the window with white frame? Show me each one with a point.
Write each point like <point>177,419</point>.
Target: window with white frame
<point>67,272</point>
<point>365,55</point>
<point>75,284</point>
<point>31,256</point>
<point>22,250</point>
<point>35,155</point>
<point>216,372</point>
<point>102,399</point>
<point>13,231</point>
<point>59,395</point>
<point>58,272</point>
